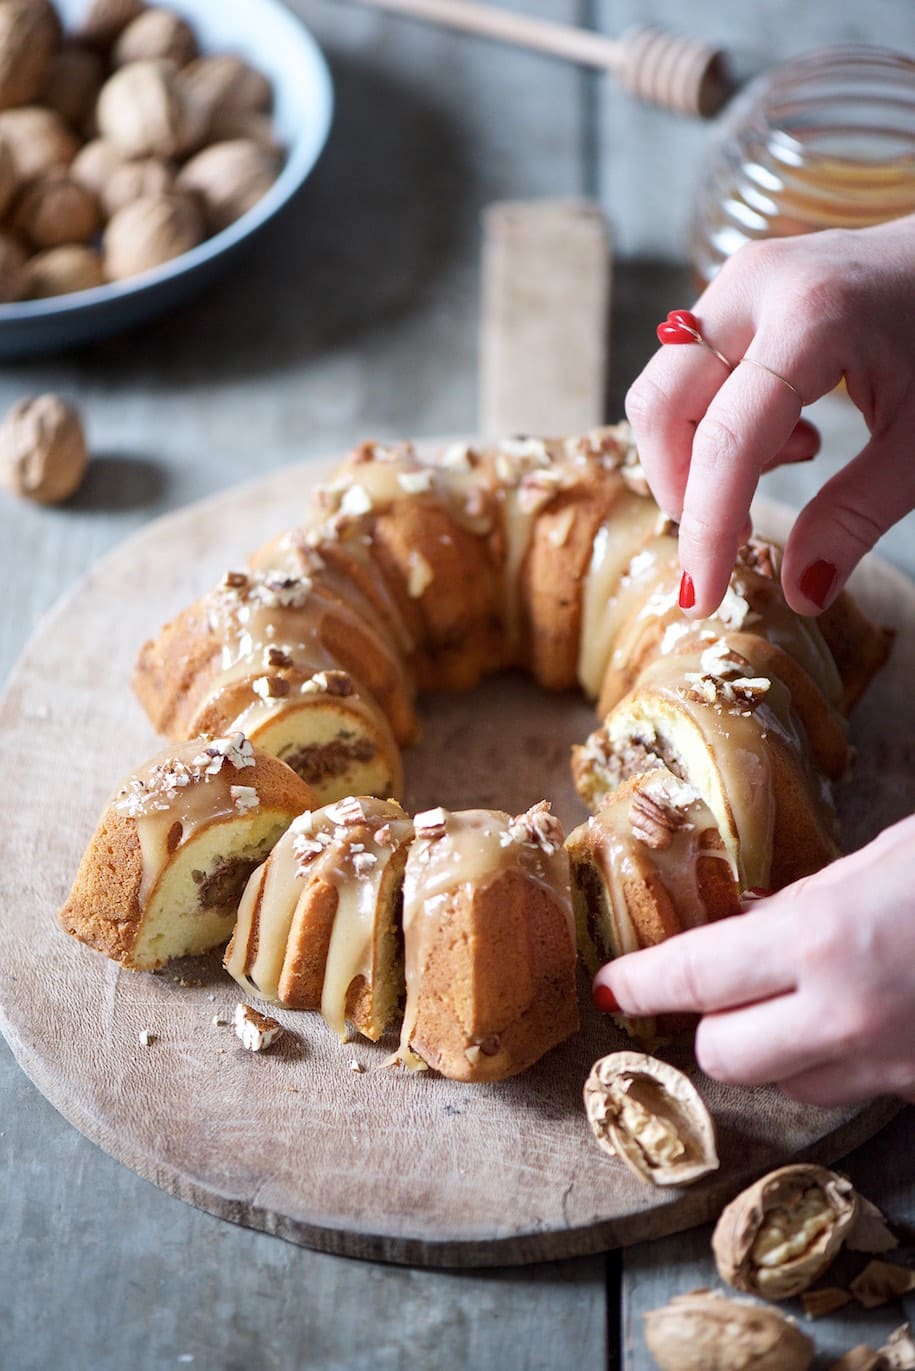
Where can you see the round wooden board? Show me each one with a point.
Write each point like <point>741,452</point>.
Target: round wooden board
<point>377,1163</point>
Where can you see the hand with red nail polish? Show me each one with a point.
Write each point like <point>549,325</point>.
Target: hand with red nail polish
<point>806,312</point>
<point>812,988</point>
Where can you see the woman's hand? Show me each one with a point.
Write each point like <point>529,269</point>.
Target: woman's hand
<point>812,988</point>
<point>814,309</point>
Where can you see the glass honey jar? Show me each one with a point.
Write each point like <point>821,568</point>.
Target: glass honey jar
<point>826,140</point>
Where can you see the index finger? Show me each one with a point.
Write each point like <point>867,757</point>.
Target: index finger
<point>747,422</point>
<point>733,962</point>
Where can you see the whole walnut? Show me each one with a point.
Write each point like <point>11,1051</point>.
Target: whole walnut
<point>55,209</point>
<point>74,79</point>
<point>42,449</point>
<point>95,164</point>
<point>135,181</point>
<point>156,33</point>
<point>38,140</point>
<point>104,20</point>
<point>61,271</point>
<point>145,234</point>
<point>9,181</point>
<point>143,111</point>
<point>12,269</point>
<point>29,33</point>
<point>228,124</point>
<point>229,178</point>
<point>225,82</point>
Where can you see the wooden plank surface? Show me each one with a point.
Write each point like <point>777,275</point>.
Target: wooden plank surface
<point>544,326</point>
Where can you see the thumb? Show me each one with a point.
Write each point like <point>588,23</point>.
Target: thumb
<point>845,519</point>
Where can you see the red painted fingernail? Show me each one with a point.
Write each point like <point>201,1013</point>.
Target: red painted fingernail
<point>605,1000</point>
<point>687,591</point>
<point>817,581</point>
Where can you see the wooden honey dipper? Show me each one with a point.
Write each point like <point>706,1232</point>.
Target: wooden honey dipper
<point>682,74</point>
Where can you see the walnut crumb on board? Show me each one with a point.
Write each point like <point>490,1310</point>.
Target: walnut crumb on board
<point>256,1031</point>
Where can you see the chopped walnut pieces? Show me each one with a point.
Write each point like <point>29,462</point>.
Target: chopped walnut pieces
<point>244,797</point>
<point>257,1031</point>
<point>270,687</point>
<point>347,811</point>
<point>881,1282</point>
<point>235,580</point>
<point>431,823</point>
<point>328,683</point>
<point>747,691</point>
<point>734,610</point>
<point>281,592</point>
<point>758,556</point>
<point>720,659</point>
<point>364,863</point>
<point>416,482</point>
<point>458,457</point>
<point>306,847</point>
<point>355,501</point>
<point>138,797</point>
<point>539,827</point>
<point>818,1303</point>
<point>654,819</point>
<point>275,656</point>
<point>234,749</point>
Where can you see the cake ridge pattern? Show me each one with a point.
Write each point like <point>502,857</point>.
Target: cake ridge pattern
<point>710,769</point>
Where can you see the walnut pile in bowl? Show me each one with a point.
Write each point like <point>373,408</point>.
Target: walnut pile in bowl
<point>122,144</point>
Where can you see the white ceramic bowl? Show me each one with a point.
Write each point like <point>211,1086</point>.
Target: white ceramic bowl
<point>275,41</point>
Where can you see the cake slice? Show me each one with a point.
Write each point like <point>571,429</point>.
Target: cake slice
<point>163,873</point>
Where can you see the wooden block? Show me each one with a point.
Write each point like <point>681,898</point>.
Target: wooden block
<point>545,311</point>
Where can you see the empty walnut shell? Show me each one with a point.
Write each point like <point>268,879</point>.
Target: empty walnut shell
<point>780,1234</point>
<point>707,1331</point>
<point>652,1117</point>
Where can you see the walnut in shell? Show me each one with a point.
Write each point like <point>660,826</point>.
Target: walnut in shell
<point>74,79</point>
<point>142,110</point>
<point>55,209</point>
<point>707,1331</point>
<point>38,140</point>
<point>8,178</point>
<point>60,271</point>
<point>652,1117</point>
<point>229,178</point>
<point>104,20</point>
<point>12,269</point>
<point>156,33</point>
<point>43,452</point>
<point>780,1234</point>
<point>28,36</point>
<point>222,81</point>
<point>130,181</point>
<point>148,232</point>
<point>95,164</point>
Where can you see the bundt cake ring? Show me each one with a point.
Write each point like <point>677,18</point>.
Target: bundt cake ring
<point>708,776</point>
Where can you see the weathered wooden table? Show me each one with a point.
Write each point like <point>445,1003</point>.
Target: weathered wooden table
<point>357,316</point>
